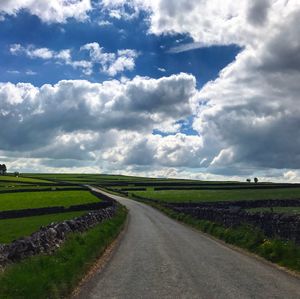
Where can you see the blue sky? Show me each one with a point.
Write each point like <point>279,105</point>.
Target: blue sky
<point>25,29</point>
<point>178,88</point>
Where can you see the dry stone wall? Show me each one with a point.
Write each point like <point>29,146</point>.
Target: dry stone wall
<point>53,210</point>
<point>234,213</point>
<point>49,238</point>
<point>272,224</point>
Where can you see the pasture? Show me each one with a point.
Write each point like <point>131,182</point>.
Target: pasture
<point>16,193</point>
<point>25,200</point>
<point>162,189</point>
<point>21,179</point>
<point>189,195</point>
<point>12,229</point>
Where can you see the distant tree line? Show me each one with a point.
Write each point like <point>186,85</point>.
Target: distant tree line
<point>3,169</point>
<point>255,180</point>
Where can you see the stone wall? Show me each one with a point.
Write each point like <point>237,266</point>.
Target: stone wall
<point>272,224</point>
<point>49,238</point>
<point>53,210</point>
<point>233,213</point>
<point>104,203</point>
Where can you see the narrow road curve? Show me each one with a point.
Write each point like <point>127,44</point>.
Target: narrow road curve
<point>161,258</point>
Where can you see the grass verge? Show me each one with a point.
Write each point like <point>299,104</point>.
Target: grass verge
<point>55,276</point>
<point>283,253</point>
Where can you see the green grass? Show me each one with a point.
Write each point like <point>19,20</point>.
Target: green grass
<point>218,195</point>
<point>12,229</point>
<point>106,179</point>
<point>5,178</point>
<point>8,187</point>
<point>16,201</point>
<point>55,276</point>
<point>285,210</point>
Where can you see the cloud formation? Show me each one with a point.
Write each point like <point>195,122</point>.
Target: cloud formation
<point>247,118</point>
<point>253,106</point>
<point>111,63</point>
<point>81,120</point>
<point>249,115</point>
<point>108,63</point>
<point>54,11</point>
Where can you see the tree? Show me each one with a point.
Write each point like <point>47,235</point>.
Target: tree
<point>3,169</point>
<point>255,180</point>
<point>248,180</point>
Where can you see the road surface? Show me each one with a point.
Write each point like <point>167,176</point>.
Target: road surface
<point>161,258</point>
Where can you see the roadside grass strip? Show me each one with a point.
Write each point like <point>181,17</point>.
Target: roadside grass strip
<point>55,276</point>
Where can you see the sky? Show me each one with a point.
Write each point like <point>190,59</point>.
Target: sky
<point>200,89</point>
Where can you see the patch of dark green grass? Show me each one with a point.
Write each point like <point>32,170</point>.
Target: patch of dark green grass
<point>26,200</point>
<point>6,178</point>
<point>218,195</point>
<point>55,276</point>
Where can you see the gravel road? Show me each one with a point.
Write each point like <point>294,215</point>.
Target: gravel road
<point>161,258</point>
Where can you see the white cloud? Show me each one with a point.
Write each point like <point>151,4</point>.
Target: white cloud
<point>38,116</point>
<point>30,73</point>
<point>54,11</point>
<point>110,63</point>
<point>161,69</point>
<point>291,175</point>
<point>185,47</point>
<point>61,57</point>
<point>104,23</point>
<point>252,107</point>
<point>14,72</point>
<point>207,22</point>
<point>76,125</point>
<point>249,115</point>
<point>225,157</point>
<point>247,119</point>
<point>177,150</point>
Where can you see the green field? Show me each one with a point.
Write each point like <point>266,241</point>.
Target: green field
<point>105,179</point>
<point>14,228</point>
<point>13,201</point>
<point>17,201</point>
<point>218,195</point>
<point>9,187</point>
<point>11,229</point>
<point>6,178</point>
